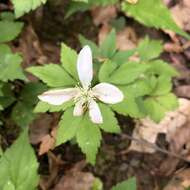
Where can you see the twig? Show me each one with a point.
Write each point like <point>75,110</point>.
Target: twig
<point>154,146</point>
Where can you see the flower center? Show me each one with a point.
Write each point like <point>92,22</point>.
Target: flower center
<point>84,95</point>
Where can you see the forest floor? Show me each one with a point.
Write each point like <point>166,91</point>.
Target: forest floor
<point>40,43</point>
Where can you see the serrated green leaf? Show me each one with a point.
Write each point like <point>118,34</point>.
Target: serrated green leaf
<point>30,92</point>
<point>129,106</point>
<point>140,87</point>
<point>53,75</point>
<point>22,114</point>
<point>9,186</point>
<point>7,97</point>
<point>9,30</point>
<point>163,86</point>
<point>83,6</point>
<point>4,49</point>
<point>88,138</point>
<point>129,184</point>
<point>160,67</point>
<point>149,49</point>
<point>156,107</point>
<point>109,125</point>
<point>10,66</point>
<point>68,127</point>
<point>127,73</point>
<point>69,60</point>
<point>23,175</point>
<point>93,46</point>
<point>155,111</point>
<point>168,101</point>
<point>108,46</point>
<point>21,7</point>
<point>6,15</point>
<point>106,70</point>
<point>151,13</point>
<point>121,57</point>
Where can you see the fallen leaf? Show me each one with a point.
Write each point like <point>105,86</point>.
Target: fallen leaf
<point>103,15</point>
<point>40,128</point>
<point>180,181</point>
<point>126,39</point>
<point>183,91</point>
<point>181,14</point>
<point>75,179</point>
<point>47,142</point>
<point>171,125</point>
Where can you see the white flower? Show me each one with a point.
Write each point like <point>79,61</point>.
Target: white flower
<point>85,96</point>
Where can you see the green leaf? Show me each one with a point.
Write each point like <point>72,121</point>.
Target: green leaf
<point>6,15</point>
<point>83,6</point>
<point>30,92</point>
<point>7,97</point>
<point>151,13</point>
<point>19,165</point>
<point>156,107</point>
<point>160,67</point>
<point>140,87</point>
<point>21,7</point>
<point>163,86</point>
<point>93,46</point>
<point>122,56</point>
<point>22,114</point>
<point>10,66</point>
<point>68,127</point>
<point>108,46</point>
<point>127,73</point>
<point>9,186</point>
<point>129,106</point>
<point>106,70</point>
<point>169,101</point>
<point>88,138</point>
<point>4,49</point>
<point>53,75</point>
<point>109,125</point>
<point>129,184</point>
<point>149,49</point>
<point>69,60</point>
<point>9,30</point>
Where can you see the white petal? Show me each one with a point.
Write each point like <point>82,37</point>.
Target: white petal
<point>78,109</point>
<point>58,97</point>
<point>108,93</point>
<point>95,113</point>
<point>84,66</point>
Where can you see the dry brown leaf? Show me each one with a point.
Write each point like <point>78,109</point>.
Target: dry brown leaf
<point>172,123</point>
<point>76,179</point>
<point>47,142</point>
<point>103,15</point>
<point>181,14</point>
<point>126,39</point>
<point>183,91</point>
<point>55,164</point>
<point>180,181</point>
<point>40,128</point>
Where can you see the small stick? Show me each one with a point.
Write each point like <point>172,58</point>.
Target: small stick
<point>154,146</point>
